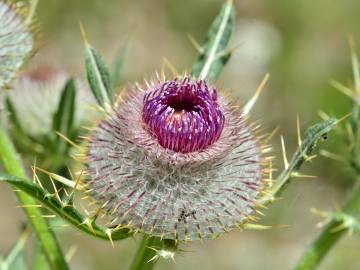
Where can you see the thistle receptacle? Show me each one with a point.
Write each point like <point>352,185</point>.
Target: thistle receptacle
<point>175,159</point>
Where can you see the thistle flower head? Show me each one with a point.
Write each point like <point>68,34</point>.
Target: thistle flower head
<point>36,94</point>
<point>175,159</point>
<point>16,40</point>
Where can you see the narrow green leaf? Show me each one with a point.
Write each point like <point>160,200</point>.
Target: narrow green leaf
<point>15,259</point>
<point>63,118</point>
<point>214,55</point>
<point>66,211</point>
<point>98,74</point>
<point>118,65</point>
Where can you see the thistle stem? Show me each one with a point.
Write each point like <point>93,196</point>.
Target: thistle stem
<point>150,250</point>
<point>45,235</point>
<point>145,254</point>
<point>328,237</point>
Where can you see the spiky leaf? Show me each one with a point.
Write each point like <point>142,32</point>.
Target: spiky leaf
<point>65,211</point>
<point>312,135</point>
<point>214,56</point>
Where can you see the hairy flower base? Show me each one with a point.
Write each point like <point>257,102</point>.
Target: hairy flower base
<point>16,40</point>
<point>175,195</point>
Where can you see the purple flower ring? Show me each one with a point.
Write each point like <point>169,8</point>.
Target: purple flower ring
<point>176,160</point>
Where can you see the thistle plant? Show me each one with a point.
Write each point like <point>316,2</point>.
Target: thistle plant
<point>174,159</point>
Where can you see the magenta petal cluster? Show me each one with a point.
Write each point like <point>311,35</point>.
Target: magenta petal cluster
<point>177,160</point>
<point>183,115</point>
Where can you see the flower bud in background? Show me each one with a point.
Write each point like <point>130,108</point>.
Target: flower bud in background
<point>176,159</point>
<point>36,94</point>
<point>16,40</point>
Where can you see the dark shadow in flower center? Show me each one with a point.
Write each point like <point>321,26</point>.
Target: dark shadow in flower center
<point>187,105</point>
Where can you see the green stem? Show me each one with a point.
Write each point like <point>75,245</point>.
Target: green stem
<point>328,238</point>
<point>146,256</point>
<point>40,226</point>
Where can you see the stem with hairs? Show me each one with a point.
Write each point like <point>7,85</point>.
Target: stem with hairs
<point>45,235</point>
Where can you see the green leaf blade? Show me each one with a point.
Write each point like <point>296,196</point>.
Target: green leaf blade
<point>98,76</point>
<point>66,212</point>
<point>214,56</point>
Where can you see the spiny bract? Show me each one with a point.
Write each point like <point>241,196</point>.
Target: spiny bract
<point>16,40</point>
<point>175,159</point>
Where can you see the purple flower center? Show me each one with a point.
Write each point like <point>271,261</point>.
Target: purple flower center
<point>183,115</point>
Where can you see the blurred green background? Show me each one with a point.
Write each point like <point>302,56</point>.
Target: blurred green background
<point>301,43</point>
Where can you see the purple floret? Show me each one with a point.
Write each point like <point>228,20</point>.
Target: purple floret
<point>183,115</point>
